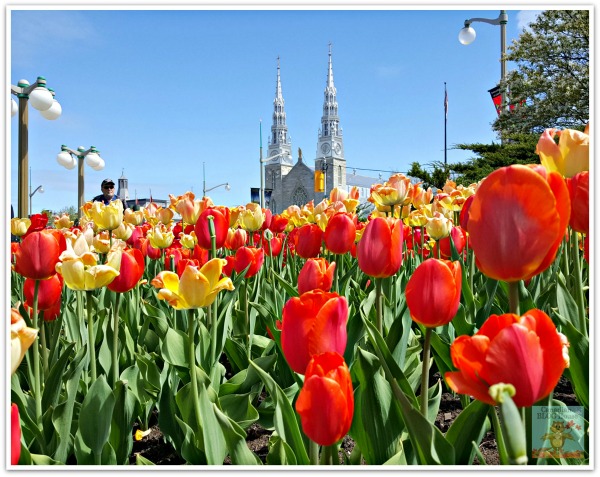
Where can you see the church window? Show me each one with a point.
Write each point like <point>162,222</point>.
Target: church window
<point>299,197</point>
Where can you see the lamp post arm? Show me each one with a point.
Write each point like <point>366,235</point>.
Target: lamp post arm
<point>36,189</point>
<point>502,19</point>
<point>220,185</point>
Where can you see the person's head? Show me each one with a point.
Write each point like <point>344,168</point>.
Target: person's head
<point>108,188</point>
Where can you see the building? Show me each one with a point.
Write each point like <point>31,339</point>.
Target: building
<point>290,183</point>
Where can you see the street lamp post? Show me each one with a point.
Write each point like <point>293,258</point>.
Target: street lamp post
<point>42,99</point>
<point>205,190</point>
<point>66,158</point>
<point>39,189</point>
<point>262,175</point>
<point>467,35</point>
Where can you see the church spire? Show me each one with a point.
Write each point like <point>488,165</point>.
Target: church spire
<point>330,142</point>
<point>280,143</point>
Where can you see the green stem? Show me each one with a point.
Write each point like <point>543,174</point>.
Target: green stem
<point>578,284</point>
<point>91,340</point>
<point>247,315</point>
<point>513,297</point>
<point>43,343</point>
<point>336,282</point>
<point>422,243</point>
<point>313,452</point>
<point>502,452</point>
<point>192,364</point>
<point>213,325</point>
<point>379,304</point>
<point>36,359</point>
<point>425,371</point>
<point>115,347</point>
<point>80,314</point>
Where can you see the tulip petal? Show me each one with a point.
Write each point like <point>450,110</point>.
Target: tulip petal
<point>328,333</point>
<point>526,372</point>
<point>462,384</point>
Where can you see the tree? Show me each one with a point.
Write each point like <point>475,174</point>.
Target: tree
<point>516,149</point>
<point>70,210</point>
<point>550,87</point>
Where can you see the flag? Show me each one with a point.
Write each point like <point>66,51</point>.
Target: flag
<point>136,199</point>
<point>150,195</point>
<point>445,101</point>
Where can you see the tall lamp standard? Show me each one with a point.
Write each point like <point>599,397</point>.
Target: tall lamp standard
<point>262,174</point>
<point>39,189</point>
<point>66,158</point>
<point>467,35</point>
<point>42,99</point>
<point>205,190</point>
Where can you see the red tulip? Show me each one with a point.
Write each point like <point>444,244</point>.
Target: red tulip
<point>176,253</point>
<point>38,254</point>
<point>326,401</point>
<point>236,238</point>
<point>49,291</point>
<point>278,224</point>
<point>527,352</point>
<point>459,239</point>
<point>579,192</point>
<point>130,273</point>
<point>316,274</point>
<point>340,233</point>
<point>15,435</point>
<point>49,314</point>
<point>276,246</point>
<point>229,268</point>
<point>249,256</point>
<point>221,222</point>
<point>38,222</point>
<point>380,248</point>
<point>517,221</point>
<point>308,240</point>
<point>313,323</point>
<point>464,212</point>
<point>433,292</point>
<point>200,254</point>
<point>148,250</point>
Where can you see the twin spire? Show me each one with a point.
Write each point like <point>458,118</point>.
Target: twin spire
<point>280,141</point>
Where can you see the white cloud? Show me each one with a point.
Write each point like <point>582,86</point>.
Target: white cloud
<point>525,17</point>
<point>389,71</point>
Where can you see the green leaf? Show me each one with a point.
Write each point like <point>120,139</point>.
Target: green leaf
<point>235,438</point>
<point>567,307</point>
<point>156,317</point>
<point>189,449</point>
<point>579,357</point>
<point>174,348</point>
<point>38,459</point>
<point>389,362</point>
<point>470,425</point>
<point>290,289</point>
<point>215,447</point>
<point>284,420</point>
<point>96,415</point>
<point>122,422</point>
<point>239,408</point>
<point>53,384</point>
<point>141,460</point>
<point>167,407</point>
<point>377,424</point>
<point>280,453</point>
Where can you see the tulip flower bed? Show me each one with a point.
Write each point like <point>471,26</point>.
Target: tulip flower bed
<point>440,325</point>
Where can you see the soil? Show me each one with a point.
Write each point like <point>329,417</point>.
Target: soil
<point>154,448</point>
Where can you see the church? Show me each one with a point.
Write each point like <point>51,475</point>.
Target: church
<point>287,183</point>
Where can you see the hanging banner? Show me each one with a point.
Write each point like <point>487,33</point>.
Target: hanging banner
<point>496,98</point>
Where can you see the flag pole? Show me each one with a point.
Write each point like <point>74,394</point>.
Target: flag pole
<point>445,125</point>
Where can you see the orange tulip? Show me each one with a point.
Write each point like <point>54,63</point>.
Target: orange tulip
<point>340,233</point>
<point>527,352</point>
<point>517,221</point>
<point>313,323</point>
<point>579,191</point>
<point>186,206</point>
<point>326,401</point>
<point>38,254</point>
<point>380,247</point>
<point>316,274</point>
<point>433,292</point>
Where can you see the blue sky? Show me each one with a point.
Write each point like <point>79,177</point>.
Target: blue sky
<point>160,92</point>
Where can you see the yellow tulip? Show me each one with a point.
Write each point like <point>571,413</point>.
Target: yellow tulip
<point>188,241</point>
<point>438,226</point>
<point>570,156</point>
<point>19,226</point>
<point>252,218</point>
<point>106,217</point>
<point>21,338</point>
<point>81,270</point>
<point>133,217</point>
<point>160,236</point>
<point>123,231</point>
<point>63,221</point>
<point>101,242</point>
<point>196,288</point>
<point>396,190</point>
